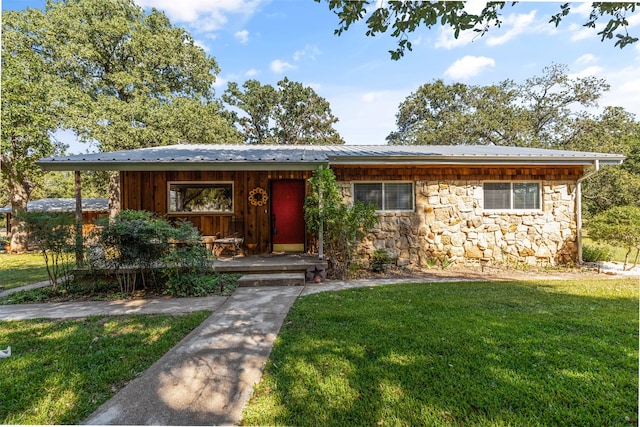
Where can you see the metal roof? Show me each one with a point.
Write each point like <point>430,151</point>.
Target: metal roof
<point>63,205</point>
<point>308,157</point>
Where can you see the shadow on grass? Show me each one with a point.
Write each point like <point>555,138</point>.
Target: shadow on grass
<point>486,353</point>
<point>61,371</point>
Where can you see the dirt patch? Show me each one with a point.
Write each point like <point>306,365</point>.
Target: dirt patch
<point>493,273</point>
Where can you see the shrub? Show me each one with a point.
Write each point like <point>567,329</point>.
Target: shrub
<point>618,226</point>
<point>52,234</point>
<point>595,253</point>
<point>343,227</point>
<point>380,261</point>
<point>132,242</point>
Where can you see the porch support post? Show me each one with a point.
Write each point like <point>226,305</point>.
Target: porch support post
<point>320,229</point>
<point>78,191</point>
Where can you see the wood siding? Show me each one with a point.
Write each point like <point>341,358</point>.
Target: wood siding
<point>456,173</point>
<point>149,191</point>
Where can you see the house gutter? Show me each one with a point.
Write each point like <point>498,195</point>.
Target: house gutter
<point>596,169</point>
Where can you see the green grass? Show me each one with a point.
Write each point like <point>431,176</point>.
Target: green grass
<point>456,354</point>
<point>61,371</point>
<point>21,269</point>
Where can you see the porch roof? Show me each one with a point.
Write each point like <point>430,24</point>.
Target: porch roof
<point>63,205</point>
<point>309,157</point>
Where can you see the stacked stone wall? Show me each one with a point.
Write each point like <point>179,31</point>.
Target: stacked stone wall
<point>449,221</point>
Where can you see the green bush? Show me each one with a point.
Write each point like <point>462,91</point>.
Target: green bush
<point>595,253</point>
<point>53,235</point>
<point>618,226</point>
<point>343,227</point>
<point>380,261</point>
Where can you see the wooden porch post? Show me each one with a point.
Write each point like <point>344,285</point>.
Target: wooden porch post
<point>79,251</point>
<point>321,230</point>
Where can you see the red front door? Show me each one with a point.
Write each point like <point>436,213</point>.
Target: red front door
<point>287,215</point>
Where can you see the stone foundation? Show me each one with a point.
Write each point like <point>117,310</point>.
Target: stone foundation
<point>449,221</point>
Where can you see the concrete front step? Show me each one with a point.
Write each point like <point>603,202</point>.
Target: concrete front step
<point>280,279</point>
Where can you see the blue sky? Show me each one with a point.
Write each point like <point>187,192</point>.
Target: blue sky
<point>270,39</point>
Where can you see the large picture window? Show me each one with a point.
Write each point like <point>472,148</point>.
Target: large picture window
<point>200,197</point>
<point>385,196</point>
<point>512,195</point>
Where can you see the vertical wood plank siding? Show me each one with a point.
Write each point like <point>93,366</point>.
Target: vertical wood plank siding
<point>149,191</point>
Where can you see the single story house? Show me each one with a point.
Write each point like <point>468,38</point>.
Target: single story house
<point>468,203</point>
<point>92,208</point>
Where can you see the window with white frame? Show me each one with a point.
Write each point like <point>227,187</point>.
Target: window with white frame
<point>385,196</point>
<point>200,197</point>
<point>512,195</point>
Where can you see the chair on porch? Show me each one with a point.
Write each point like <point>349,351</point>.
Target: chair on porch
<point>232,240</point>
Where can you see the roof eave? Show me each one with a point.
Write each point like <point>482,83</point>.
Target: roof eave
<point>475,160</point>
<point>177,166</point>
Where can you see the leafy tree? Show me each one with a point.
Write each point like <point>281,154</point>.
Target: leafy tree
<point>257,101</point>
<point>613,131</point>
<point>541,112</point>
<point>404,17</point>
<point>289,114</point>
<point>343,227</point>
<point>130,79</point>
<point>618,226</point>
<point>29,112</point>
<point>303,117</point>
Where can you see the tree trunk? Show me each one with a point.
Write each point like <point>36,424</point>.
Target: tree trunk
<point>114,194</point>
<point>19,198</point>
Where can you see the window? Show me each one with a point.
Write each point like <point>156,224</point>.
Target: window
<point>200,197</point>
<point>385,196</point>
<point>511,195</point>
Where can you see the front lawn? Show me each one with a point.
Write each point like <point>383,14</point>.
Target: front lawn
<point>62,371</point>
<point>21,269</point>
<point>451,354</point>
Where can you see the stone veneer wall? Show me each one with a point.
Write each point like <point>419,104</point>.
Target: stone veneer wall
<point>449,221</point>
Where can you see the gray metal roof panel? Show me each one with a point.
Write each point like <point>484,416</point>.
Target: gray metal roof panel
<point>63,205</point>
<point>257,157</point>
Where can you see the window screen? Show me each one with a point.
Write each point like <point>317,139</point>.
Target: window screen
<point>497,195</point>
<point>369,194</point>
<point>385,196</point>
<point>507,195</point>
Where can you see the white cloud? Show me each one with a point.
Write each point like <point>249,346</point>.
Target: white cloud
<point>516,24</point>
<point>624,83</point>
<point>582,9</point>
<point>220,82</point>
<point>279,66</point>
<point>469,66</point>
<point>447,40</point>
<point>310,51</point>
<point>587,72</point>
<point>625,89</point>
<point>252,72</point>
<point>587,58</point>
<point>579,32</point>
<point>205,15</point>
<point>242,36</point>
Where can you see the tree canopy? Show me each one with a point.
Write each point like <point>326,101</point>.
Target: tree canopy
<point>290,113</point>
<point>548,111</point>
<point>109,72</point>
<point>404,17</point>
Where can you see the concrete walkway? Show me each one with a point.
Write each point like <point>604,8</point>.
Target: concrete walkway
<point>208,377</point>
